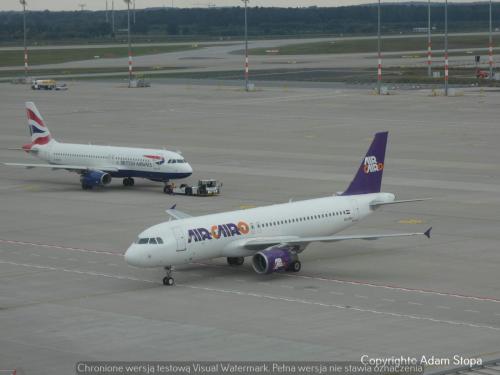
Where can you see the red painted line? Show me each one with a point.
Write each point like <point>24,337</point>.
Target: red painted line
<point>342,281</point>
<point>374,285</point>
<point>396,287</point>
<point>23,243</point>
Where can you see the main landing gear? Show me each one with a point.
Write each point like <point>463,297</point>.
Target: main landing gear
<point>235,261</point>
<point>168,280</point>
<point>128,181</point>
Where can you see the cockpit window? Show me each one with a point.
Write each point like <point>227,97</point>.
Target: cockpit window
<point>159,240</point>
<point>142,241</point>
<point>152,241</point>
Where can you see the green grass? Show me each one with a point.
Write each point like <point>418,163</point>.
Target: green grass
<point>54,56</point>
<point>395,75</point>
<point>370,45</point>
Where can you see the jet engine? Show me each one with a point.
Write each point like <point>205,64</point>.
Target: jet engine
<point>276,259</point>
<point>95,178</point>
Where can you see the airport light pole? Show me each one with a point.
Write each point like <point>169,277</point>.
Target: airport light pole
<point>490,47</point>
<point>379,66</point>
<point>23,3</point>
<point>246,46</point>
<point>134,12</point>
<point>446,48</point>
<point>129,45</point>
<point>429,41</point>
<point>113,17</point>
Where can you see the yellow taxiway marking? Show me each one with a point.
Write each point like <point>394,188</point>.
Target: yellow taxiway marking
<point>410,221</point>
<point>246,206</point>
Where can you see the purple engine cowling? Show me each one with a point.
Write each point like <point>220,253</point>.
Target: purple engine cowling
<point>274,259</point>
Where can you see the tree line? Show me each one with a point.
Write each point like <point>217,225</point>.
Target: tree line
<point>228,22</point>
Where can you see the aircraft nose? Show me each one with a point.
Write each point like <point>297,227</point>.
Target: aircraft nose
<point>133,256</point>
<point>188,169</point>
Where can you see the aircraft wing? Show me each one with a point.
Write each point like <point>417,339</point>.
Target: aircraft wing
<point>75,168</point>
<point>260,243</point>
<point>176,214</point>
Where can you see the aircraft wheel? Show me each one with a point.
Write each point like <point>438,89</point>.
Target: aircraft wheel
<point>168,189</point>
<point>86,187</point>
<point>296,266</point>
<point>168,281</point>
<point>128,181</point>
<point>235,261</point>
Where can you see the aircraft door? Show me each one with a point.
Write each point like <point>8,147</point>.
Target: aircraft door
<point>354,210</point>
<point>180,238</point>
<point>256,227</point>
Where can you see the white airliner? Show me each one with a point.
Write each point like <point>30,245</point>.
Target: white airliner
<point>97,165</point>
<point>273,235</point>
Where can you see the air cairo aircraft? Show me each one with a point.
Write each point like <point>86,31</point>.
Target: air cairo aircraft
<point>273,236</point>
<point>97,165</point>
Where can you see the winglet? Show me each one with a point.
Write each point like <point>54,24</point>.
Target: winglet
<point>427,233</point>
<point>173,207</point>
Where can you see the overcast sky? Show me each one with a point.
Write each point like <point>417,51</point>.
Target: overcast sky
<point>120,4</point>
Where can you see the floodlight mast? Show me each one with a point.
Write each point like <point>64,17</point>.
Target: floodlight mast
<point>129,44</point>
<point>379,66</point>
<point>246,47</point>
<point>446,72</point>
<point>429,40</point>
<point>490,47</point>
<point>23,3</point>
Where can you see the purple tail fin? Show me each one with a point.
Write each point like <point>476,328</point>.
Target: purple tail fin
<point>368,179</point>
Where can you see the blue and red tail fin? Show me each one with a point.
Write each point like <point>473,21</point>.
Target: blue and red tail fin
<point>40,134</point>
<point>368,179</point>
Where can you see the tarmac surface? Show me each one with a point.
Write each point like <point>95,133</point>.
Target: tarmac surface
<point>66,294</point>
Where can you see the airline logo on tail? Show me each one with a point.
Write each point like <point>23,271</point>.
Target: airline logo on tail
<point>371,165</point>
<point>40,135</point>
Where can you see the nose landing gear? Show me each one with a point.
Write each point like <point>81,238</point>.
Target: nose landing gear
<point>168,280</point>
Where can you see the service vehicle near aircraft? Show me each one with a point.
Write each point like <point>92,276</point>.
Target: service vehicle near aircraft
<point>43,84</point>
<point>203,188</point>
<point>273,236</point>
<point>97,165</point>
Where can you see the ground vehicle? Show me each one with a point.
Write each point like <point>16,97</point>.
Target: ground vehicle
<point>43,84</point>
<point>482,73</point>
<point>204,188</point>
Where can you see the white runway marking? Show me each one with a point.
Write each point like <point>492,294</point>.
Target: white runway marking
<point>263,296</point>
<point>414,303</point>
<point>348,282</point>
<point>394,287</point>
<point>358,296</point>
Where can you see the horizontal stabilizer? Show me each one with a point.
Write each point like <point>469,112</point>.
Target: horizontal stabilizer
<point>376,204</point>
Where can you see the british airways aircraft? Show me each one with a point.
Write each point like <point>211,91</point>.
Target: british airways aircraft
<point>273,236</point>
<point>97,165</point>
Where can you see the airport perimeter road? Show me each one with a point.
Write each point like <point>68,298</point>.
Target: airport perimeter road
<point>67,295</point>
<point>222,56</point>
